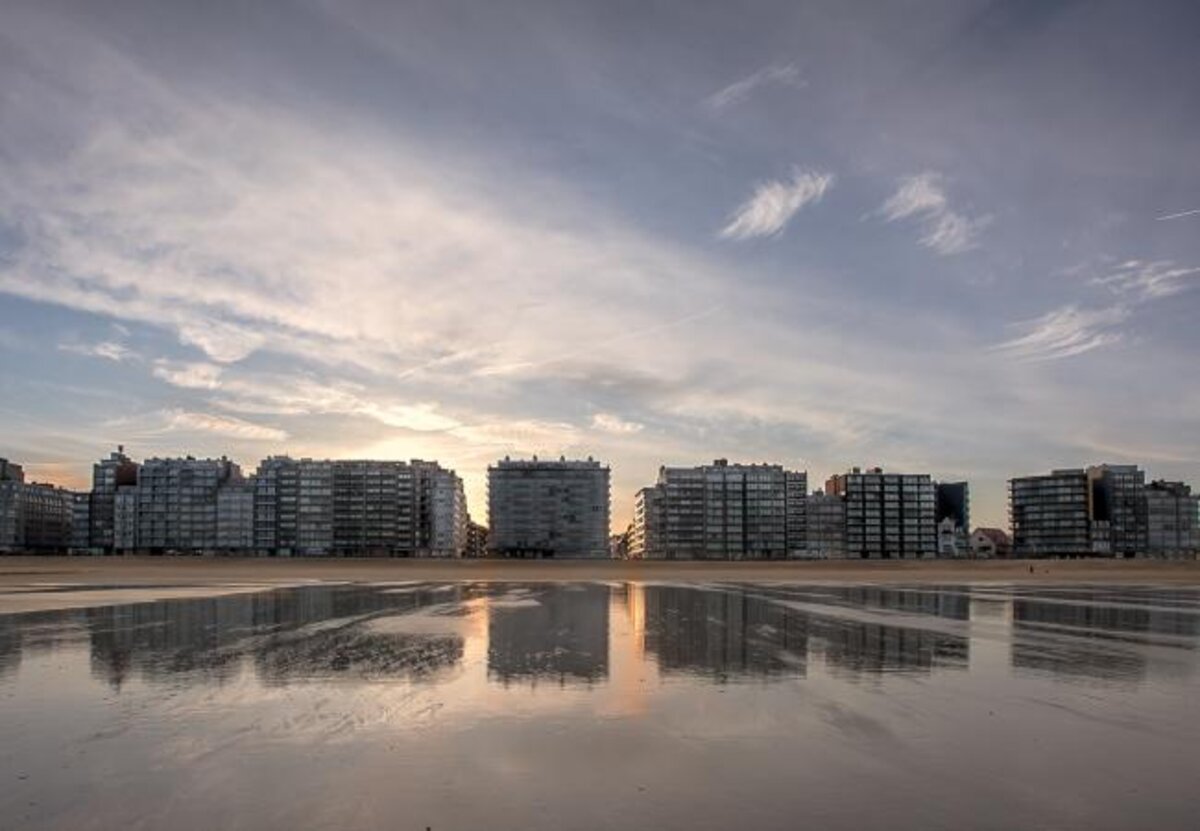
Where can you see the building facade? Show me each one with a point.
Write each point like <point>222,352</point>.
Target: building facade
<point>826,527</point>
<point>108,476</point>
<point>1118,498</point>
<point>176,504</point>
<point>1172,521</point>
<point>888,515</point>
<point>1051,515</point>
<point>646,530</point>
<point>721,511</point>
<point>953,517</point>
<point>540,508</point>
<point>34,518</point>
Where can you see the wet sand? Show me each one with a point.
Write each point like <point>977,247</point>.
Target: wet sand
<point>607,704</point>
<point>41,583</point>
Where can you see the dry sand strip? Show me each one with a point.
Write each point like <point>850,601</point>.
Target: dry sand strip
<point>38,583</point>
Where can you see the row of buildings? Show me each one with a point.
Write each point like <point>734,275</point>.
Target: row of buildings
<point>729,511</point>
<point>1103,510</point>
<point>288,507</point>
<point>561,508</point>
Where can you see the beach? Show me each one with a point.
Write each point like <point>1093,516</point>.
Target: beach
<point>42,583</point>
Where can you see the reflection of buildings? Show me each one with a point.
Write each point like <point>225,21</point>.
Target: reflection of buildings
<point>854,646</point>
<point>723,634</point>
<point>860,646</point>
<point>562,634</point>
<point>290,635</point>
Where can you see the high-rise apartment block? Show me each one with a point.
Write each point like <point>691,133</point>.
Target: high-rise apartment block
<point>540,508</point>
<point>646,530</point>
<point>721,511</point>
<point>1118,498</point>
<point>1104,510</point>
<point>176,503</point>
<point>33,517</point>
<point>826,526</point>
<point>108,475</point>
<point>290,507</point>
<point>1172,520</point>
<point>1051,514</point>
<point>888,515</point>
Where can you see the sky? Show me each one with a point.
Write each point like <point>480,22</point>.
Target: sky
<point>954,237</point>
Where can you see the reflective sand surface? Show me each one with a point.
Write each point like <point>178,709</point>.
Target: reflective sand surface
<point>607,706</point>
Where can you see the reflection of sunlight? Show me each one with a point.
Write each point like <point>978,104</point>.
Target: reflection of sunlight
<point>991,632</point>
<point>630,673</point>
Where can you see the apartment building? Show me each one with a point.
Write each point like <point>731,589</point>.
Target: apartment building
<point>1118,498</point>
<point>1172,521</point>
<point>721,511</point>
<point>825,526</point>
<point>541,508</point>
<point>176,503</point>
<point>888,515</point>
<point>34,517</point>
<point>1051,515</point>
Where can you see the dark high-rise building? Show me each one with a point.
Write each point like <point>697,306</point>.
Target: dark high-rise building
<point>888,515</point>
<point>1051,515</point>
<point>1118,497</point>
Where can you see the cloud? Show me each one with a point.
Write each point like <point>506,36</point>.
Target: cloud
<point>108,350</point>
<point>952,233</point>
<point>420,417</point>
<point>785,74</point>
<point>235,428</point>
<point>773,203</point>
<point>1145,281</point>
<point>200,376</point>
<point>610,423</point>
<point>222,341</point>
<point>921,194</point>
<point>923,197</point>
<point>1179,215</point>
<point>1065,332</point>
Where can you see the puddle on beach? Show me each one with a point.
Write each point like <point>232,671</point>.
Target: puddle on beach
<point>598,705</point>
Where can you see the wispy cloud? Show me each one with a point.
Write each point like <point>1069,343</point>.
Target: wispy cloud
<point>612,423</point>
<point>923,197</point>
<point>1180,215</point>
<point>1144,281</point>
<point>1065,332</point>
<point>784,74</point>
<point>772,204</point>
<point>108,350</point>
<point>235,428</point>
<point>189,375</point>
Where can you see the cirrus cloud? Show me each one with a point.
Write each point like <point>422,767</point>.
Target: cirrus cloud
<point>767,211</point>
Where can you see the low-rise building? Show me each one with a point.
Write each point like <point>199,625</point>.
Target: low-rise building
<point>990,544</point>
